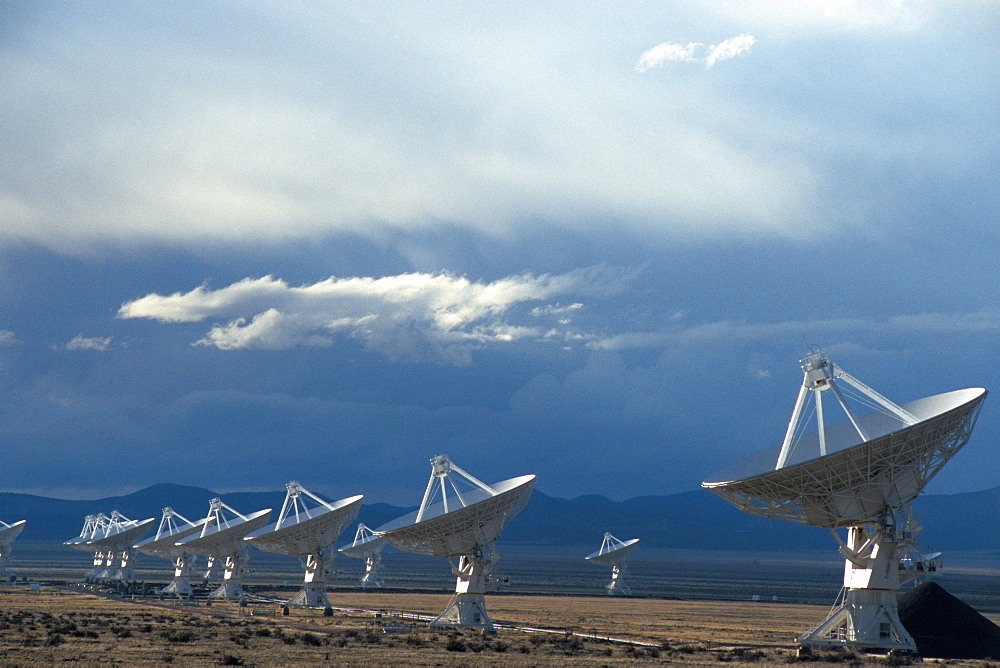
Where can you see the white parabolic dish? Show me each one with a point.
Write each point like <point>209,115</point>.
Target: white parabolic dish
<point>615,556</point>
<point>9,533</point>
<point>855,481</point>
<point>364,548</point>
<point>463,530</point>
<point>302,535</point>
<point>166,544</point>
<point>225,539</point>
<point>124,538</point>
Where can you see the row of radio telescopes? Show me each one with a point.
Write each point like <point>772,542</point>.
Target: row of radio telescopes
<point>859,474</point>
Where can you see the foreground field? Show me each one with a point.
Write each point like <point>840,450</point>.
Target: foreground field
<point>57,625</point>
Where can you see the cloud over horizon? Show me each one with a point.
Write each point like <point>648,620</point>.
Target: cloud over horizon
<point>413,316</point>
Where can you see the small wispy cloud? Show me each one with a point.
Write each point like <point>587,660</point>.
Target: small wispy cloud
<point>668,52</point>
<point>7,338</point>
<point>695,52</point>
<point>438,317</point>
<point>729,49</point>
<point>81,342</point>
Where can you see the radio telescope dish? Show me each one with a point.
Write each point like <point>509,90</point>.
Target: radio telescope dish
<point>8,533</point>
<point>93,527</point>
<point>164,544</point>
<point>110,539</point>
<point>859,474</point>
<point>221,537</point>
<point>613,553</point>
<point>308,533</point>
<point>465,526</point>
<point>367,546</point>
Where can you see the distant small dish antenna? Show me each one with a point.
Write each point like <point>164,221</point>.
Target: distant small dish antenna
<point>367,546</point>
<point>110,539</point>
<point>308,531</point>
<point>8,532</point>
<point>221,538</point>
<point>463,524</point>
<point>613,553</point>
<point>859,475</point>
<point>174,527</point>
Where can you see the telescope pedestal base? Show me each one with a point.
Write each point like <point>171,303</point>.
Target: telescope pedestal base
<point>229,590</point>
<point>465,610</point>
<point>179,586</point>
<point>867,620</point>
<point>312,595</point>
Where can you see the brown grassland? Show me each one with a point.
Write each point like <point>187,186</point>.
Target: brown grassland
<point>57,625</point>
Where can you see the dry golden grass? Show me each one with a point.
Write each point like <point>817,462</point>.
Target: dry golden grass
<point>59,625</point>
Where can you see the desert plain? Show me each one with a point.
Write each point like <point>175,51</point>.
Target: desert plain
<point>60,624</point>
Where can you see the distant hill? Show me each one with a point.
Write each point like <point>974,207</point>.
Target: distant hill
<point>689,520</point>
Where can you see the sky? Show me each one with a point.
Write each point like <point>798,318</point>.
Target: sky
<point>243,243</point>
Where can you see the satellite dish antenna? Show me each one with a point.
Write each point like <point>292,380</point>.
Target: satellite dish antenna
<point>164,544</point>
<point>8,532</point>
<point>367,546</point>
<point>221,537</point>
<point>309,534</point>
<point>859,474</point>
<point>464,525</point>
<point>914,565</point>
<point>613,553</point>
<point>94,526</point>
<point>110,539</point>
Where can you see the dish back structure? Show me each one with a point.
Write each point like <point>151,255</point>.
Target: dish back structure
<point>367,546</point>
<point>221,538</point>
<point>174,527</point>
<point>859,475</point>
<point>8,533</point>
<point>613,553</point>
<point>464,524</point>
<point>309,534</point>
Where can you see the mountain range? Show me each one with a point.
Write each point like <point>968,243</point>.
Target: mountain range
<point>689,520</point>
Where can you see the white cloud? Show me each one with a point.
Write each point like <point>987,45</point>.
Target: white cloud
<point>666,53</point>
<point>81,342</point>
<point>7,338</point>
<point>729,49</point>
<point>416,316</point>
<point>695,52</point>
